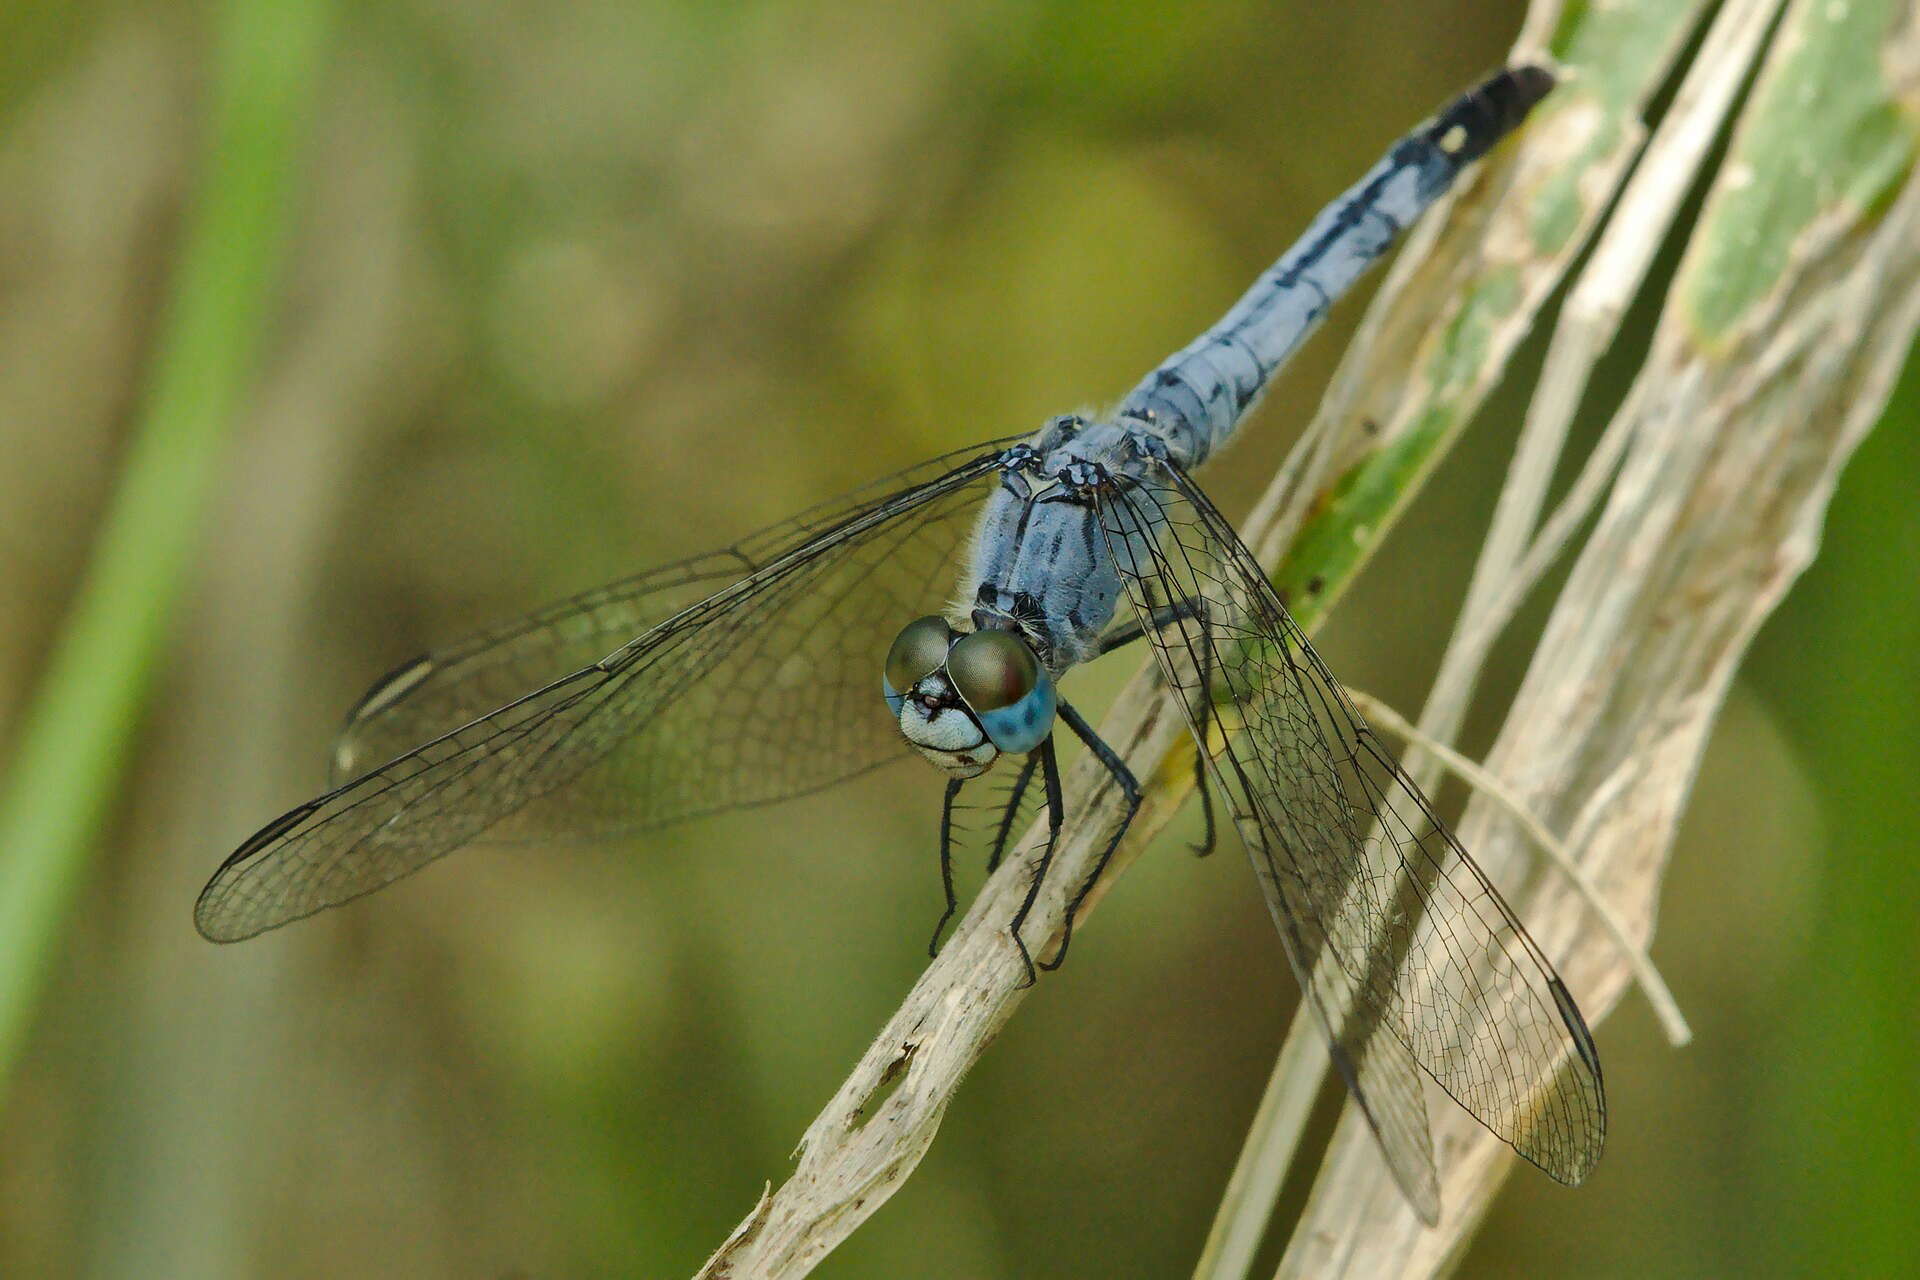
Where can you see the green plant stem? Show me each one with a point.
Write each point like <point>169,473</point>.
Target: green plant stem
<point>77,732</point>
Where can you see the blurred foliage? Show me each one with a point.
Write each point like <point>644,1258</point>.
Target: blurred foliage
<point>75,738</point>
<point>578,289</point>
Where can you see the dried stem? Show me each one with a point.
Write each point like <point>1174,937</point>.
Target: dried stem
<point>1778,346</point>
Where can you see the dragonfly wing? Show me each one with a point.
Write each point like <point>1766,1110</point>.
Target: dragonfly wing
<point>1405,950</point>
<point>765,689</point>
<point>440,691</point>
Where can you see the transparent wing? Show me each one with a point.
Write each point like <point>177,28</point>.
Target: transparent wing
<point>438,692</point>
<point>766,689</point>
<point>1404,949</point>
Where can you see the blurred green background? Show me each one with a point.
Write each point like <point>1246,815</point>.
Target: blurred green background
<point>571,290</point>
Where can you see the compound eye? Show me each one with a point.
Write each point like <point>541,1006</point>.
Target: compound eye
<point>992,669</point>
<point>918,651</point>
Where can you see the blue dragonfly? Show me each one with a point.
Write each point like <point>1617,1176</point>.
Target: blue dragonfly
<point>748,676</point>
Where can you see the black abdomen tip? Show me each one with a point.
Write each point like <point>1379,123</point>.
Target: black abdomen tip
<point>1480,117</point>
<point>1523,87</point>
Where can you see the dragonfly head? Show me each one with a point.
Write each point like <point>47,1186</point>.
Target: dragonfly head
<point>962,698</point>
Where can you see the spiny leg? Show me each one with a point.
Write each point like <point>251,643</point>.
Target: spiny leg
<point>1130,788</point>
<point>1056,816</point>
<point>1163,618</point>
<point>946,863</point>
<point>1015,797</point>
<point>1202,733</point>
<point>1205,846</point>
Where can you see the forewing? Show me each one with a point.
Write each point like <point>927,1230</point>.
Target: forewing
<point>1404,948</point>
<point>441,691</point>
<point>766,689</point>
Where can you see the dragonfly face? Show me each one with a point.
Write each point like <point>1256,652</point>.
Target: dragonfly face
<point>963,698</point>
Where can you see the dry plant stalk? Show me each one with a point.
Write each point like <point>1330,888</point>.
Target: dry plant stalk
<point>1775,354</point>
<point>1730,444</point>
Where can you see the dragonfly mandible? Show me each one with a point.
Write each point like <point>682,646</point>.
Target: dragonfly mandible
<point>764,670</point>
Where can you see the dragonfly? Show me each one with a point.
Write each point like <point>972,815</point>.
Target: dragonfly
<point>771,668</point>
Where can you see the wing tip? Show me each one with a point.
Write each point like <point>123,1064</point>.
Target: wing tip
<point>211,919</point>
<point>1576,1024</point>
<point>1595,1096</point>
<point>384,693</point>
<point>1580,1139</point>
<point>390,688</point>
<point>210,923</point>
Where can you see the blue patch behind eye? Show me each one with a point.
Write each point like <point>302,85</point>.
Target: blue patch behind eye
<point>895,701</point>
<point>1025,724</point>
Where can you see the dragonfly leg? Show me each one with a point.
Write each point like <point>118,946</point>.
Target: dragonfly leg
<point>1205,846</point>
<point>1056,815</point>
<point>1202,751</point>
<point>1014,799</point>
<point>1128,787</point>
<point>1162,618</point>
<point>946,863</point>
